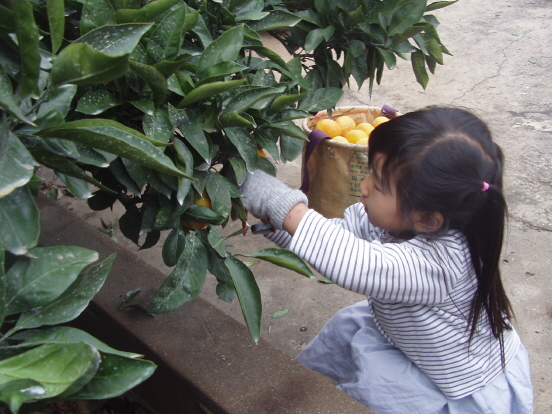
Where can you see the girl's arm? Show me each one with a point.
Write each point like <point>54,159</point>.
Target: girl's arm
<point>415,271</point>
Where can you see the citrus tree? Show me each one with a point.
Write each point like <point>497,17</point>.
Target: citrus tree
<point>164,106</point>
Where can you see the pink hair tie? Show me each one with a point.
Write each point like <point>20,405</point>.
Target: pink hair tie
<point>485,186</point>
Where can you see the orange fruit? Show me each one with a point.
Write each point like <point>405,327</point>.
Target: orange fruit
<point>362,141</point>
<point>329,127</point>
<point>200,200</point>
<point>339,138</point>
<point>366,127</point>
<point>379,120</point>
<point>261,153</point>
<point>354,135</point>
<point>346,123</point>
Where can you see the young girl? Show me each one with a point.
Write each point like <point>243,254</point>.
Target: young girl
<point>424,244</point>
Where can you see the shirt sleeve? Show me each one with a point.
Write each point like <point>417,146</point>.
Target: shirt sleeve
<point>413,271</point>
<point>355,220</point>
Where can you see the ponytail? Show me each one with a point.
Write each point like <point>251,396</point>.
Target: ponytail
<point>485,235</point>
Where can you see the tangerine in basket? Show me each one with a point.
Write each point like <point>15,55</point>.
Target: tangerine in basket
<point>362,141</point>
<point>339,138</point>
<point>366,127</point>
<point>379,120</point>
<point>354,135</point>
<point>329,127</point>
<point>346,123</point>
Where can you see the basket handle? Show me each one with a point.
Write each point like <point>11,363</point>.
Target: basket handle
<point>316,136</point>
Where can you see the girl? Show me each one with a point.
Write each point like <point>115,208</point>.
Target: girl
<point>424,244</point>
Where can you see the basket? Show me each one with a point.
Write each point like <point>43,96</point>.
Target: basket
<point>332,171</point>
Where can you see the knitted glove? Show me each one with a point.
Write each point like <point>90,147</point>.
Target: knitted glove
<point>268,197</point>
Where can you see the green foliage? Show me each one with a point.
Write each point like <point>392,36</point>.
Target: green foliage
<point>368,35</point>
<point>155,103</point>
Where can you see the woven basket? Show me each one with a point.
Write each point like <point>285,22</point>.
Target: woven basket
<point>332,171</point>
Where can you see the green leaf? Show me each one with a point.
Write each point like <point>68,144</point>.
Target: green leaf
<point>57,367</point>
<point>226,291</point>
<point>97,101</point>
<point>8,102</point>
<point>246,146</point>
<point>248,295</point>
<point>216,241</point>
<point>62,165</point>
<point>173,246</point>
<point>280,102</point>
<point>113,137</point>
<point>155,80</point>
<point>19,391</point>
<point>418,65</point>
<point>195,136</point>
<point>280,313</point>
<point>232,119</point>
<point>166,40</point>
<point>79,188</point>
<point>284,258</point>
<point>439,4</point>
<point>238,165</point>
<point>115,376</point>
<point>96,13</point>
<point>2,285</point>
<point>80,64</point>
<point>185,281</point>
<point>222,69</point>
<point>115,40</point>
<point>56,21</point>
<point>289,128</point>
<point>16,164</point>
<point>37,281</point>
<point>203,214</point>
<point>209,90</point>
<point>157,125</point>
<point>147,13</point>
<point>68,335</point>
<point>224,48</point>
<point>434,48</point>
<point>407,15</point>
<point>277,19</point>
<point>291,147</point>
<point>27,37</point>
<point>19,221</point>
<point>246,99</point>
<point>218,189</point>
<point>320,99</point>
<point>269,54</point>
<point>70,303</point>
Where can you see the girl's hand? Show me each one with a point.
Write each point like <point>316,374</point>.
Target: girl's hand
<point>266,196</point>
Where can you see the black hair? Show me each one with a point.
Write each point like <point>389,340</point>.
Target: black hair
<point>441,159</point>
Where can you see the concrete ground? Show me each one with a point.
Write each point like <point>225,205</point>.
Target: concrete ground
<point>502,58</point>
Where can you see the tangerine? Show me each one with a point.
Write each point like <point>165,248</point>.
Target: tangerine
<point>346,123</point>
<point>339,138</point>
<point>362,141</point>
<point>379,120</point>
<point>200,200</point>
<point>354,135</point>
<point>366,127</point>
<point>329,127</point>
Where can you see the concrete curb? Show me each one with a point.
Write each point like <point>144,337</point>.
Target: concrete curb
<point>207,362</point>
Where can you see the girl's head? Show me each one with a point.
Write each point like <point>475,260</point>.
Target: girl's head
<point>447,173</point>
<point>439,160</point>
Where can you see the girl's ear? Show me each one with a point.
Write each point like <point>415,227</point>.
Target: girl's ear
<point>427,222</point>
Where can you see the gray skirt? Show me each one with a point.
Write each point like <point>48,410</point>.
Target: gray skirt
<point>351,350</point>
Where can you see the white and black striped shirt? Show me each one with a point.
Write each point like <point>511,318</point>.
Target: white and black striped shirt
<point>420,292</point>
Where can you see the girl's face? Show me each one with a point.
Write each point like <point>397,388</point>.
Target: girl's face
<point>382,204</point>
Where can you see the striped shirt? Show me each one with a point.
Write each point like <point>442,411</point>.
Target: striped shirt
<point>419,291</point>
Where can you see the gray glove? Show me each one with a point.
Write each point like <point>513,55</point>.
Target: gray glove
<point>268,197</point>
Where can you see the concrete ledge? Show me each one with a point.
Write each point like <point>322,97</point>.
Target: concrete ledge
<point>207,362</point>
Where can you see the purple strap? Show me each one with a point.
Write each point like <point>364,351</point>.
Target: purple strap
<point>316,136</point>
<point>314,139</point>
